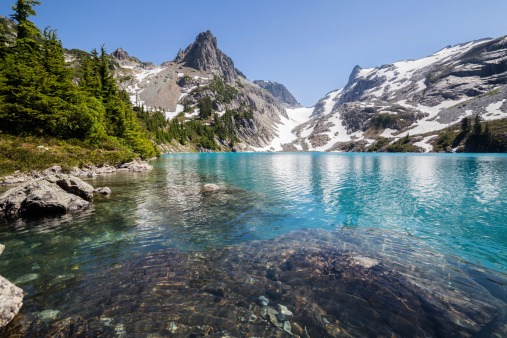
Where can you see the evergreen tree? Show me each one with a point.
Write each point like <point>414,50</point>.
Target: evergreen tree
<point>23,9</point>
<point>465,125</point>
<point>477,126</point>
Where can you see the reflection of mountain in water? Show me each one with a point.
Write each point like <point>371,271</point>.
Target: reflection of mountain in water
<point>357,282</point>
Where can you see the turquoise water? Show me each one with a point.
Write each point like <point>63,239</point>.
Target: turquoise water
<point>454,205</point>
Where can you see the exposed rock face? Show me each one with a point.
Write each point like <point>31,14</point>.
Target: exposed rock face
<point>279,91</point>
<point>10,28</point>
<point>47,195</point>
<point>204,55</point>
<point>120,55</point>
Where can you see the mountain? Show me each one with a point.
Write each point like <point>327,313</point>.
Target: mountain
<point>8,28</point>
<point>200,73</point>
<point>418,98</point>
<point>204,55</point>
<point>279,91</point>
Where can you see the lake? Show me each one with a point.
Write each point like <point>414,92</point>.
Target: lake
<point>357,244</point>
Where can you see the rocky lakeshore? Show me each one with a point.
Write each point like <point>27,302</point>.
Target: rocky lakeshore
<point>308,283</point>
<point>87,171</point>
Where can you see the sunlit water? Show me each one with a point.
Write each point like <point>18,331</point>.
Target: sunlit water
<point>454,206</point>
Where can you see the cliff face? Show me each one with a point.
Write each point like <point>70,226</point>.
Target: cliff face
<point>204,55</point>
<point>280,92</point>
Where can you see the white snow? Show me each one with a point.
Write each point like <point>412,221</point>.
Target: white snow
<point>128,67</point>
<point>388,132</point>
<point>150,72</point>
<point>398,75</point>
<point>494,112</point>
<point>181,74</point>
<point>220,113</point>
<point>424,144</point>
<point>284,129</point>
<point>195,113</point>
<point>170,115</point>
<point>425,125</point>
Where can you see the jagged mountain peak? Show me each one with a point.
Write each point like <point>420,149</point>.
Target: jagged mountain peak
<point>204,55</point>
<point>280,92</point>
<point>120,54</point>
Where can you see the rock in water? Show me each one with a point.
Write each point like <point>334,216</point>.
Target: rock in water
<point>102,191</point>
<point>46,195</point>
<point>11,299</point>
<point>210,187</point>
<point>74,185</point>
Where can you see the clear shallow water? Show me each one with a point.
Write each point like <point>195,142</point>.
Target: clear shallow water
<point>453,206</point>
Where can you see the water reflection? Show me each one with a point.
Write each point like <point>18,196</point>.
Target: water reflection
<point>456,205</point>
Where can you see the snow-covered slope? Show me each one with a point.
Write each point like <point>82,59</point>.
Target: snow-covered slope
<point>412,97</point>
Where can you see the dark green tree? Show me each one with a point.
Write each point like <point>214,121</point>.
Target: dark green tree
<point>205,108</point>
<point>465,125</point>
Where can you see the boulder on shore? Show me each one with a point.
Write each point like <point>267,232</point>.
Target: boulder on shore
<point>46,195</point>
<point>11,299</point>
<point>135,166</point>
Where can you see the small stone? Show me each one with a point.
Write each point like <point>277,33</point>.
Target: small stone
<point>210,187</point>
<point>274,274</point>
<point>324,319</point>
<point>297,329</point>
<point>102,191</point>
<point>283,313</point>
<point>365,262</point>
<point>263,301</point>
<point>286,327</point>
<point>48,315</point>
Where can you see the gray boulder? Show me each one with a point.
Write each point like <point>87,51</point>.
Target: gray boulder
<point>102,191</point>
<point>47,195</point>
<point>11,299</point>
<point>74,185</point>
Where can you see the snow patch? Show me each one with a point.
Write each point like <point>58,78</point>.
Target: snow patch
<point>493,111</point>
<point>424,144</point>
<point>284,129</point>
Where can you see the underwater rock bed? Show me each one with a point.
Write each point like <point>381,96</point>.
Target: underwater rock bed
<point>308,283</point>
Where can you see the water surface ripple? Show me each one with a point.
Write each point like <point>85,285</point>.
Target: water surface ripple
<point>454,206</point>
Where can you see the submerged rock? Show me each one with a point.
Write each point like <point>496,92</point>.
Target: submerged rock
<point>102,191</point>
<point>11,299</point>
<point>325,292</point>
<point>47,195</point>
<point>210,187</point>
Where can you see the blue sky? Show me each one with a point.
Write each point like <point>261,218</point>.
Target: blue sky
<point>309,46</point>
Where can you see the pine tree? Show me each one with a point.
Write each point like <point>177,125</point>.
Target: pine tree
<point>465,125</point>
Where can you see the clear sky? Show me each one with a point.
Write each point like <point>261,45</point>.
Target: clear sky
<point>309,46</point>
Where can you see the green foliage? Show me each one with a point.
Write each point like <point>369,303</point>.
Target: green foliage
<point>23,153</point>
<point>224,92</point>
<point>39,98</point>
<point>402,146</point>
<point>379,144</point>
<point>205,108</point>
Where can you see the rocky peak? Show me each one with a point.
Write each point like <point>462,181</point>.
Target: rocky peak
<point>280,92</point>
<point>120,55</point>
<point>354,74</point>
<point>204,55</point>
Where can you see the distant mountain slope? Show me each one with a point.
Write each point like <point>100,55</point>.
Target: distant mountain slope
<point>201,72</point>
<point>415,97</point>
<point>280,92</point>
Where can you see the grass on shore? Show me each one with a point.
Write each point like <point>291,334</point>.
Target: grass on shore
<point>26,153</point>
